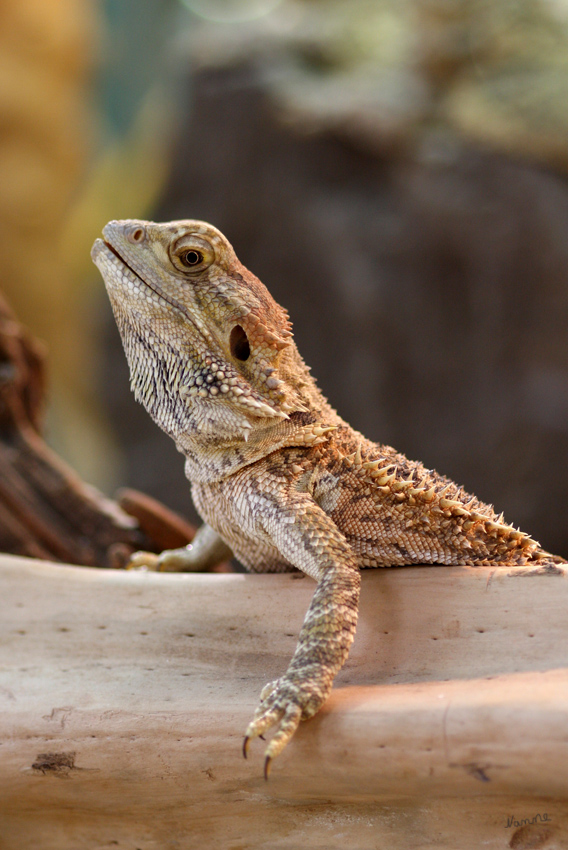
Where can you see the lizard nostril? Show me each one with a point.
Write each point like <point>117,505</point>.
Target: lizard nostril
<point>135,234</point>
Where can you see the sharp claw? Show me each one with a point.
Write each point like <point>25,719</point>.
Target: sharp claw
<point>245,746</point>
<point>262,738</point>
<point>267,763</point>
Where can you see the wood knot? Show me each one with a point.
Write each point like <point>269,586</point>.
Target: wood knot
<point>56,764</point>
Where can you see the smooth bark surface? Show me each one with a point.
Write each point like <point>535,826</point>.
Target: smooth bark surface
<point>124,697</point>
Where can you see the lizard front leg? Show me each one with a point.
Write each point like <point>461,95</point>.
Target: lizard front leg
<point>206,550</point>
<point>309,539</point>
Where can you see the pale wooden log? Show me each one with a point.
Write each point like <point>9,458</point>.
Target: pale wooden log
<point>124,697</point>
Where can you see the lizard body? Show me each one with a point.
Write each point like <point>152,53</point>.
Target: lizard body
<point>278,477</point>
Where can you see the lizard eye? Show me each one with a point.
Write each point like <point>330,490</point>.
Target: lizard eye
<point>239,343</point>
<point>192,254</point>
<point>191,258</point>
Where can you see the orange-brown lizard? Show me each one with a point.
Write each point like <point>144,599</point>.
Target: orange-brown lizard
<point>278,477</point>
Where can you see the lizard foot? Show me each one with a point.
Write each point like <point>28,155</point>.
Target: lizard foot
<point>143,561</point>
<point>169,561</point>
<point>284,703</point>
<point>205,551</point>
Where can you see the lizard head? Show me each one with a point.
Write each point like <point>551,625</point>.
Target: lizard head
<point>209,349</point>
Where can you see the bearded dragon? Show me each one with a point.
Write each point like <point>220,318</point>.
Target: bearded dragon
<point>278,477</point>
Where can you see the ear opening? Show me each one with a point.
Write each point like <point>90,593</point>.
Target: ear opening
<point>239,344</point>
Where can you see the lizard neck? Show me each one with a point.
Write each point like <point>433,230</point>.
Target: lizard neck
<point>212,459</point>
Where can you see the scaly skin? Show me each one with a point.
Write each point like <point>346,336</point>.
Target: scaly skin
<point>277,476</point>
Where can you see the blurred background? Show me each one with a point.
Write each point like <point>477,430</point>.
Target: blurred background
<point>395,171</point>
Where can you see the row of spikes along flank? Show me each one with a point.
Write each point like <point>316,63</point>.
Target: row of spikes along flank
<point>385,483</point>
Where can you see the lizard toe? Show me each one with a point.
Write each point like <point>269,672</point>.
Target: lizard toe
<point>143,561</point>
<point>287,725</point>
<point>261,723</point>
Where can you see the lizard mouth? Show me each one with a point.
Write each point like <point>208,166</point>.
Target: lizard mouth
<point>123,262</point>
<point>102,244</point>
<point>113,250</point>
